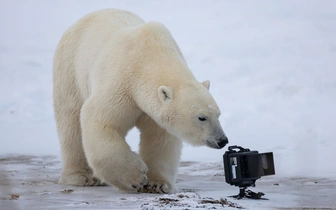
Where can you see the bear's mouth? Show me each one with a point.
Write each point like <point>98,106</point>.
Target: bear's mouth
<point>212,144</point>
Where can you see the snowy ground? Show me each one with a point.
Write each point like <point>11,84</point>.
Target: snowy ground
<point>29,182</point>
<point>272,66</point>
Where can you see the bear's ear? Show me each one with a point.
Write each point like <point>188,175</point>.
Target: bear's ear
<point>165,93</point>
<point>206,84</point>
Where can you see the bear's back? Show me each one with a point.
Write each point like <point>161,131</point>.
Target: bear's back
<point>82,43</point>
<point>112,43</point>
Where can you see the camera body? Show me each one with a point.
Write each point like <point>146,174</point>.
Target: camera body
<point>243,167</point>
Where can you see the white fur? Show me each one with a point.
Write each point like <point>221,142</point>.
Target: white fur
<point>112,71</point>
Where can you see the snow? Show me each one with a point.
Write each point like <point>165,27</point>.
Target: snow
<point>272,70</point>
<point>29,182</point>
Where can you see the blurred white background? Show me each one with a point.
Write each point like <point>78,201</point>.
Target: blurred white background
<point>272,67</point>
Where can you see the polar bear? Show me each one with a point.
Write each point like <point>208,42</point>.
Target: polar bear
<point>112,72</point>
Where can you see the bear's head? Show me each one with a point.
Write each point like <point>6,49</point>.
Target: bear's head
<point>191,113</point>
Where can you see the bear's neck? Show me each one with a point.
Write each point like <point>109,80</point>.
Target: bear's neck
<point>145,89</point>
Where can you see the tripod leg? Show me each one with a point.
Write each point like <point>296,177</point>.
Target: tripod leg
<point>254,195</point>
<point>240,195</point>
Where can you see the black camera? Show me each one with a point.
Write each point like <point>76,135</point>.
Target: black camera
<point>243,167</point>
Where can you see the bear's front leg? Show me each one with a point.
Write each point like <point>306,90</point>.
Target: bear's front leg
<point>161,152</point>
<point>107,152</point>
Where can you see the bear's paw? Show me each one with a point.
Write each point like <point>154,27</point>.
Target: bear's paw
<point>126,173</point>
<point>157,187</point>
<point>80,179</point>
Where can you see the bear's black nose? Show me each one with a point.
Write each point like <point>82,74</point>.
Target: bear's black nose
<point>223,141</point>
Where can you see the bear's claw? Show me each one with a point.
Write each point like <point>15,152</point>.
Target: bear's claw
<point>154,188</point>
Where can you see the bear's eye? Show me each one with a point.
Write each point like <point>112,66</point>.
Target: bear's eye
<point>202,118</point>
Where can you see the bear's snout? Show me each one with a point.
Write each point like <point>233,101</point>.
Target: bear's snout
<point>222,142</point>
<point>218,143</point>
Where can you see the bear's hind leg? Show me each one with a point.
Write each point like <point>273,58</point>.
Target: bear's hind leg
<point>161,152</point>
<point>75,170</point>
